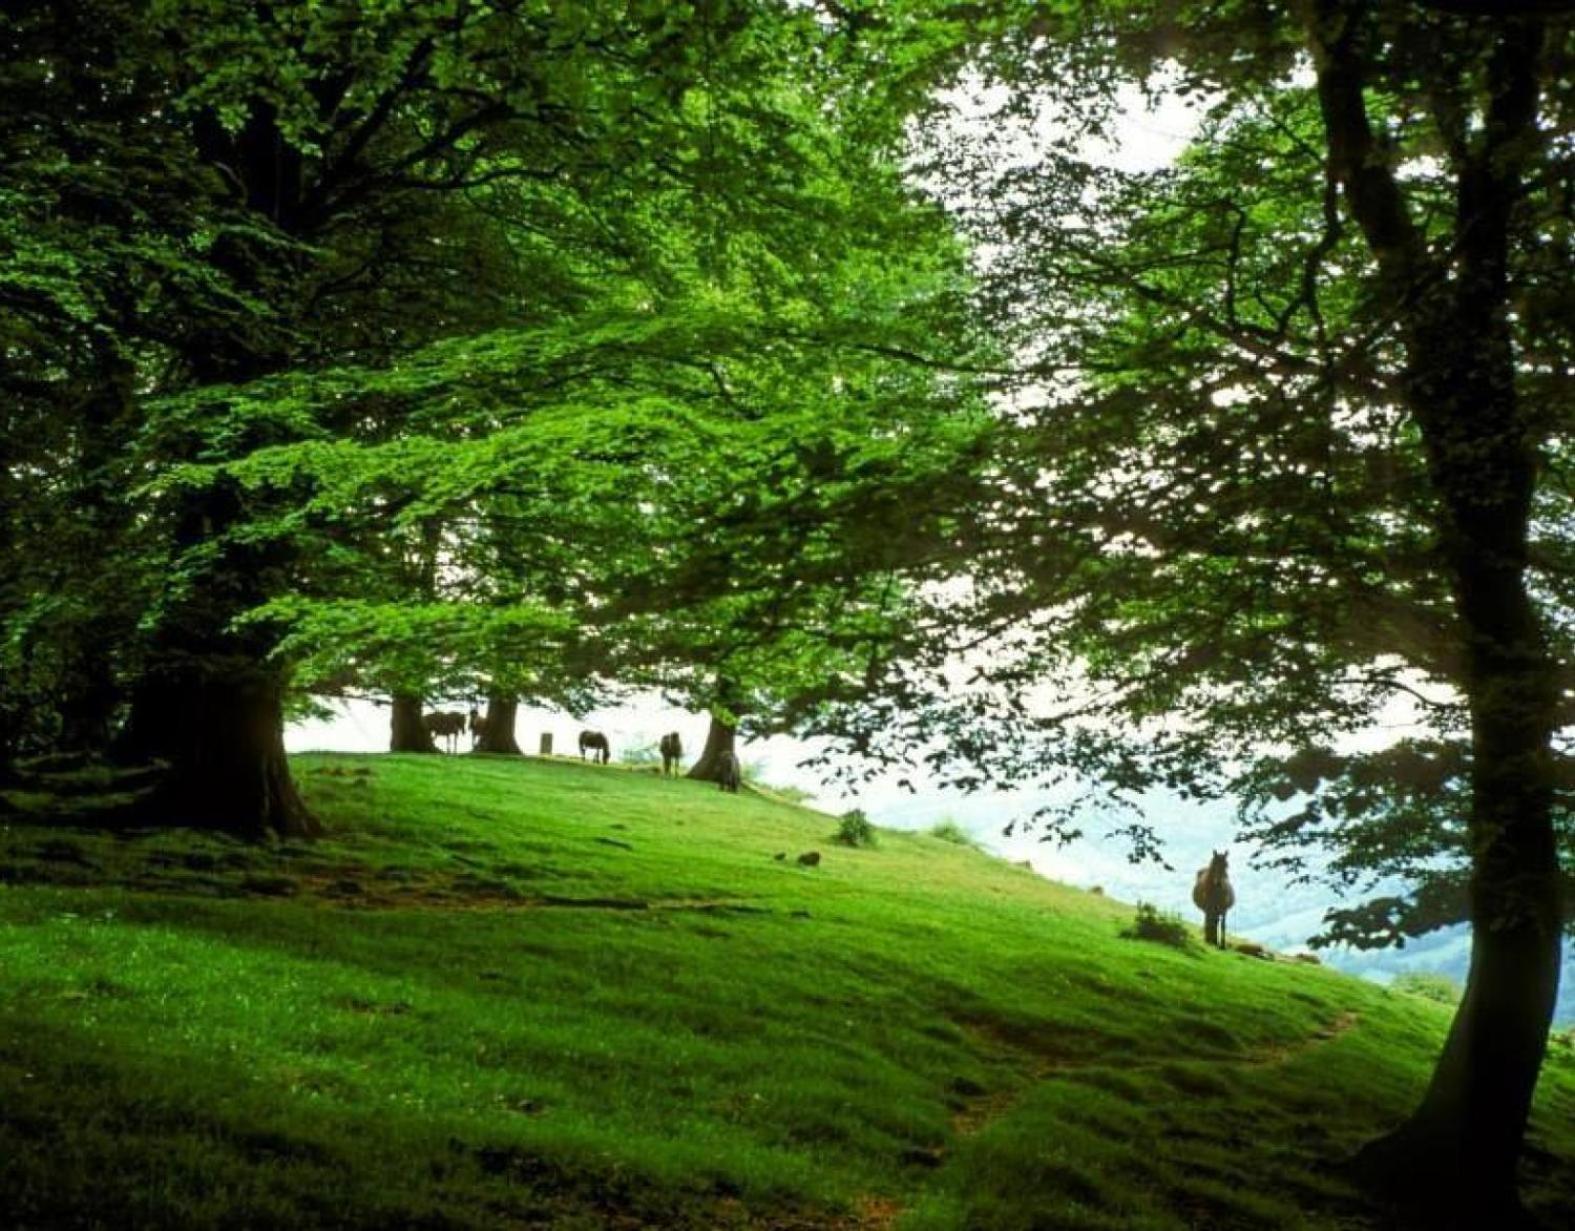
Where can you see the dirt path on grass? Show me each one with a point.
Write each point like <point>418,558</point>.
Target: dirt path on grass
<point>978,1113</point>
<point>978,1109</point>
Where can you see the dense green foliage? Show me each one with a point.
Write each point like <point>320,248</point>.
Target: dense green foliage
<point>451,1012</point>
<point>457,349</point>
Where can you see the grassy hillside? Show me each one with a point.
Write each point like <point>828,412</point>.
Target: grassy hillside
<point>539,994</point>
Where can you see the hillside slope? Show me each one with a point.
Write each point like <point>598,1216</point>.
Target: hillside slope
<point>521,993</point>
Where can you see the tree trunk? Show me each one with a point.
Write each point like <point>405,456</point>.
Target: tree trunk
<point>719,738</point>
<point>222,736</point>
<point>87,713</point>
<point>91,691</point>
<point>408,732</point>
<point>210,704</point>
<point>497,728</point>
<point>1457,1153</point>
<point>210,701</point>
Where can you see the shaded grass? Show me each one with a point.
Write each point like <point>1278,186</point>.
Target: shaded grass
<point>536,993</point>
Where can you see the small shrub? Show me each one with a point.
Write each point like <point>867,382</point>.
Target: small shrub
<point>640,754</point>
<point>1429,985</point>
<point>948,830</point>
<point>1163,927</point>
<point>854,829</point>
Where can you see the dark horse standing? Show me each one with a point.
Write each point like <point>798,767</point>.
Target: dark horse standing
<point>1212,894</point>
<point>596,742</point>
<point>672,753</point>
<point>728,775</point>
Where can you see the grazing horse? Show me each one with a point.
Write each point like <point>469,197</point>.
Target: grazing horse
<point>597,743</point>
<point>727,772</point>
<point>1212,894</point>
<point>448,725</point>
<point>672,753</point>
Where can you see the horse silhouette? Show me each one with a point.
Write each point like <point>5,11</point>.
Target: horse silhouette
<point>447,725</point>
<point>728,776</point>
<point>1213,895</point>
<point>672,753</point>
<point>596,742</point>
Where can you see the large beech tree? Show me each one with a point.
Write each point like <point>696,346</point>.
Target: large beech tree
<point>1289,447</point>
<point>352,157</point>
<point>361,187</point>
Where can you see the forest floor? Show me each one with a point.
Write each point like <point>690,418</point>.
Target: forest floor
<point>516,993</point>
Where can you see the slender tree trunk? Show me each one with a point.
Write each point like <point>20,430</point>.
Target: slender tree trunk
<point>719,738</point>
<point>497,728</point>
<point>408,733</point>
<point>1460,1148</point>
<point>1457,1152</point>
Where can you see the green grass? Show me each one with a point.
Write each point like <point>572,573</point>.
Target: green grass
<point>514,993</point>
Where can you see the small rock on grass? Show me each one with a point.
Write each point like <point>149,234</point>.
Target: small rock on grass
<point>809,859</point>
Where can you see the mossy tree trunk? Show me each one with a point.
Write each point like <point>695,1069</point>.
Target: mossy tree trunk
<point>720,738</point>
<point>221,736</point>
<point>408,733</point>
<point>497,727</point>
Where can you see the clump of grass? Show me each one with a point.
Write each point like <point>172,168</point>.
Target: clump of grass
<point>1162,927</point>
<point>1429,985</point>
<point>948,830</point>
<point>854,829</point>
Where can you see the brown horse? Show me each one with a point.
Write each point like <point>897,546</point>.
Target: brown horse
<point>672,753</point>
<point>447,725</point>
<point>596,743</point>
<point>1213,895</point>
